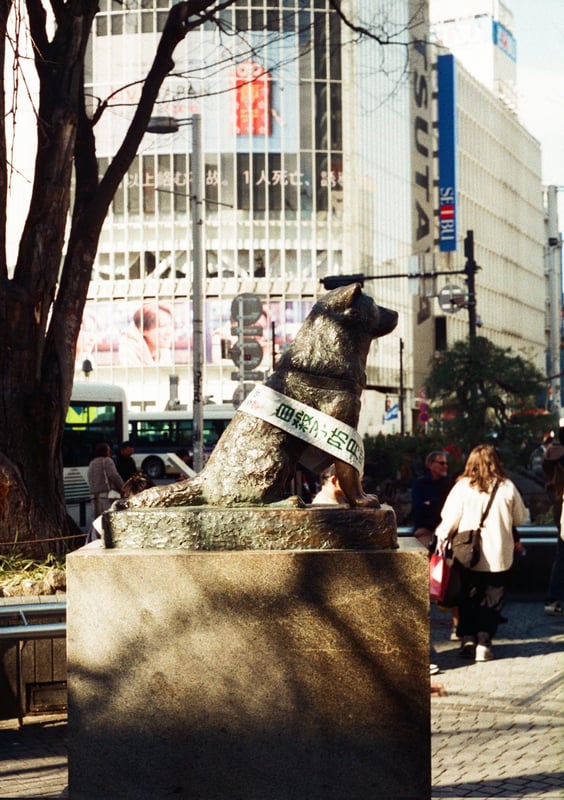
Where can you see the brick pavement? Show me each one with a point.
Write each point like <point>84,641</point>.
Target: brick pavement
<point>33,760</point>
<point>498,731</point>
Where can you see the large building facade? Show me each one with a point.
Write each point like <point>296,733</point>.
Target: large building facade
<point>318,157</point>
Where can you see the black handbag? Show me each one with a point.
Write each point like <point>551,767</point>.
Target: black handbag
<point>466,545</point>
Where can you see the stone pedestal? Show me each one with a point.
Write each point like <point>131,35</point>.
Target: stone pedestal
<point>248,674</point>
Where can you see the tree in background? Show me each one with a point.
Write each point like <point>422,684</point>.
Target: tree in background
<point>475,390</point>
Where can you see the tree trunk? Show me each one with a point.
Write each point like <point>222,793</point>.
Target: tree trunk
<point>41,306</point>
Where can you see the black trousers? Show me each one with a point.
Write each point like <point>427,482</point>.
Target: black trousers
<point>481,600</point>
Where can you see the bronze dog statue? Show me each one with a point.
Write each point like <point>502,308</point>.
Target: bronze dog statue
<point>324,369</point>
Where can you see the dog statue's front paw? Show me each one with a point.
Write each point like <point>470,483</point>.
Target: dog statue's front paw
<point>367,501</point>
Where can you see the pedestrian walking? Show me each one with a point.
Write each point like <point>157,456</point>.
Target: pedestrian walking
<point>483,489</point>
<point>428,493</point>
<point>104,480</point>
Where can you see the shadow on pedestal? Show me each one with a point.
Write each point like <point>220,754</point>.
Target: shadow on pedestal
<point>298,674</point>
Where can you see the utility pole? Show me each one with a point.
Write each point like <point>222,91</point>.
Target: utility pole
<point>198,199</point>
<point>553,262</point>
<point>401,389</point>
<point>470,269</point>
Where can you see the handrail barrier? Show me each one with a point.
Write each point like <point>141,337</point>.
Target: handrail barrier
<point>25,622</point>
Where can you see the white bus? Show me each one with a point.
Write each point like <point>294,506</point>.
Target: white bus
<point>97,413</point>
<point>154,434</point>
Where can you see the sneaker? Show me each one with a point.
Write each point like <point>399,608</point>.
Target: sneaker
<point>554,609</point>
<point>434,669</point>
<point>454,637</point>
<point>483,652</point>
<point>468,649</point>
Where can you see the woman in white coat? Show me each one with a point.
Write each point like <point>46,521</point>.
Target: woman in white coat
<point>483,585</point>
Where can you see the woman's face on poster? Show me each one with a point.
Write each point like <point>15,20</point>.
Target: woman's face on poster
<point>161,336</point>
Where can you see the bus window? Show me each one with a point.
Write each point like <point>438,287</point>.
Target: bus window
<point>97,413</point>
<point>153,434</point>
<point>88,424</point>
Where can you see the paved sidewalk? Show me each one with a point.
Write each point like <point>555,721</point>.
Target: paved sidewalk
<point>33,760</point>
<point>497,732</point>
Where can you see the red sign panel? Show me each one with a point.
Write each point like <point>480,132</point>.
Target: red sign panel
<point>251,83</point>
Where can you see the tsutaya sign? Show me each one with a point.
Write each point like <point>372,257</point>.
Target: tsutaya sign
<point>421,128</point>
<point>422,164</point>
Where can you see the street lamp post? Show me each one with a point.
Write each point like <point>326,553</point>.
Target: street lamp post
<point>553,262</point>
<point>197,197</point>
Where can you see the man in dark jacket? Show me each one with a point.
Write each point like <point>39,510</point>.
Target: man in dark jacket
<point>428,495</point>
<point>125,463</point>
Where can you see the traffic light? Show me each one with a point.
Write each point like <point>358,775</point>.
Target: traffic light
<point>247,353</point>
<point>334,281</point>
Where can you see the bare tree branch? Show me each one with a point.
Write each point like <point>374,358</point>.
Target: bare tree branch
<point>5,7</point>
<point>360,29</point>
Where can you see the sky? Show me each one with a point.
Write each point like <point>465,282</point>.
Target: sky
<point>539,30</point>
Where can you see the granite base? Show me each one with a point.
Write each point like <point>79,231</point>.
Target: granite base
<point>248,675</point>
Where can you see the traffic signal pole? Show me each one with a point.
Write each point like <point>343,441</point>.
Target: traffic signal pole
<point>198,199</point>
<point>470,271</point>
<point>401,389</point>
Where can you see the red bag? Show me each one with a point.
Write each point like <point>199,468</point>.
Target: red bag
<point>439,576</point>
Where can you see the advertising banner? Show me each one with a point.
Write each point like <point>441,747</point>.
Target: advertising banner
<point>133,333</point>
<point>243,107</point>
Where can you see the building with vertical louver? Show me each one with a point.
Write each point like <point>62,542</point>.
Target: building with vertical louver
<point>320,158</point>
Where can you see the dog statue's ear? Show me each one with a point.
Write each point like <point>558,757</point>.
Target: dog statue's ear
<point>344,297</point>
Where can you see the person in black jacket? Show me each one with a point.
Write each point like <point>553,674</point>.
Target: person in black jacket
<point>125,463</point>
<point>428,495</point>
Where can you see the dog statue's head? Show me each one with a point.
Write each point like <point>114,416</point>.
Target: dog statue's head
<point>351,306</point>
<point>335,338</point>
